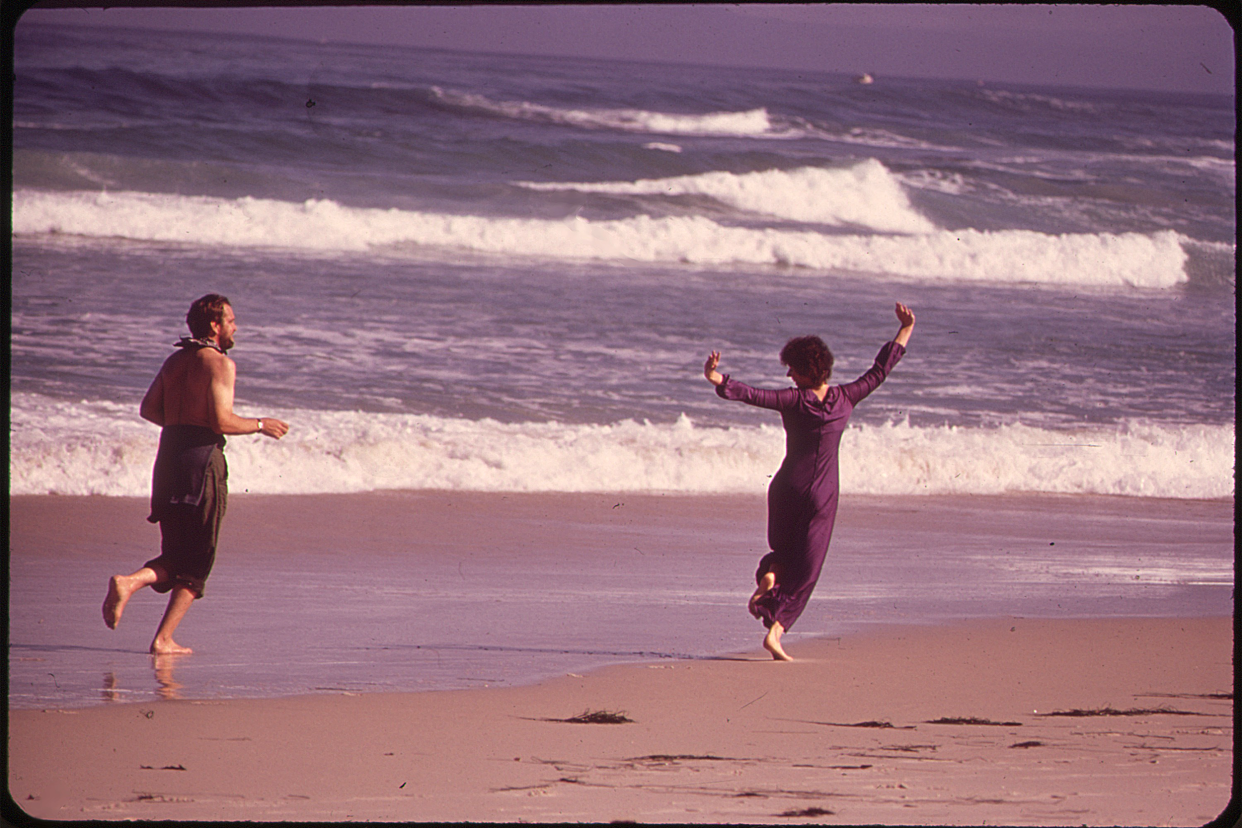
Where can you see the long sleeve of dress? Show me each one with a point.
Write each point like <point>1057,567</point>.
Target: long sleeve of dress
<point>890,354</point>
<point>888,357</point>
<point>731,389</point>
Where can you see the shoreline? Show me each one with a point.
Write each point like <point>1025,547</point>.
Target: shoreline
<point>944,632</point>
<point>538,585</point>
<point>960,724</point>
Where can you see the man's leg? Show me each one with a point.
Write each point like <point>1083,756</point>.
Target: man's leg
<point>180,600</point>
<point>188,541</point>
<point>121,587</point>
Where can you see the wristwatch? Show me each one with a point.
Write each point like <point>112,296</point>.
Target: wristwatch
<point>260,419</point>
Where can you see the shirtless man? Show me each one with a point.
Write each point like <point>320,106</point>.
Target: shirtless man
<point>191,399</point>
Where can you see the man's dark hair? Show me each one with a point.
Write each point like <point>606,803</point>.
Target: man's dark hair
<point>809,356</point>
<point>203,312</point>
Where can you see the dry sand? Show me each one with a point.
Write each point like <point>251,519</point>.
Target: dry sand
<point>847,734</point>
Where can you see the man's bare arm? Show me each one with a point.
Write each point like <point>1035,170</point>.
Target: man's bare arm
<point>220,408</point>
<point>152,407</point>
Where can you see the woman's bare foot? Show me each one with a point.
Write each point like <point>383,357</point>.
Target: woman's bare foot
<point>772,642</point>
<point>765,586</point>
<point>168,647</point>
<point>120,588</point>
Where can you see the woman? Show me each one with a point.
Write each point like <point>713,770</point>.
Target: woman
<point>802,498</point>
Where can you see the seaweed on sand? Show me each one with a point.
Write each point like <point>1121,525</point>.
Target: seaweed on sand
<point>972,720</point>
<point>807,812</point>
<point>879,725</point>
<point>598,717</point>
<point>1133,711</point>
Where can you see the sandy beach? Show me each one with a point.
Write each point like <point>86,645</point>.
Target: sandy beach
<point>911,718</point>
<point>933,725</point>
<point>498,570</point>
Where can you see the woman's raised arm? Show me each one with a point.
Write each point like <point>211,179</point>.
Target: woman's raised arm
<point>906,317</point>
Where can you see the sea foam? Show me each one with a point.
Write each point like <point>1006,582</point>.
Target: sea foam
<point>94,447</point>
<point>1102,259</point>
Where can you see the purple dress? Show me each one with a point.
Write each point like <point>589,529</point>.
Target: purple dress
<point>802,498</point>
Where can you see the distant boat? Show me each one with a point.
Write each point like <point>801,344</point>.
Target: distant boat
<point>864,78</point>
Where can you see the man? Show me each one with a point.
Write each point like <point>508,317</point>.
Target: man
<point>191,399</point>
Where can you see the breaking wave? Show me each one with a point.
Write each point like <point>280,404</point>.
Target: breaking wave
<point>1101,259</point>
<point>748,123</point>
<point>864,195</point>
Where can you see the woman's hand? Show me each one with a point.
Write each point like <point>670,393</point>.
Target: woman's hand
<point>906,317</point>
<point>709,369</point>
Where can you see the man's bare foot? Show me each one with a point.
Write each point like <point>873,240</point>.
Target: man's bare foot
<point>765,586</point>
<point>168,647</point>
<point>120,587</point>
<point>772,642</point>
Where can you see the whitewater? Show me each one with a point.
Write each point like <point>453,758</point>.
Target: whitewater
<point>333,452</point>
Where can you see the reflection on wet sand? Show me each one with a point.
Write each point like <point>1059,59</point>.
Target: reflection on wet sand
<point>109,691</point>
<point>167,685</point>
<point>169,688</point>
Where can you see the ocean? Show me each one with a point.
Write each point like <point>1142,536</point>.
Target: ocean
<point>486,273</point>
<point>459,271</point>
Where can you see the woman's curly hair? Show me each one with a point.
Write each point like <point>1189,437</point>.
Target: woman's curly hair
<point>809,356</point>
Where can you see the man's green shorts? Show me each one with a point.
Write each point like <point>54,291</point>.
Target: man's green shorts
<point>190,531</point>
